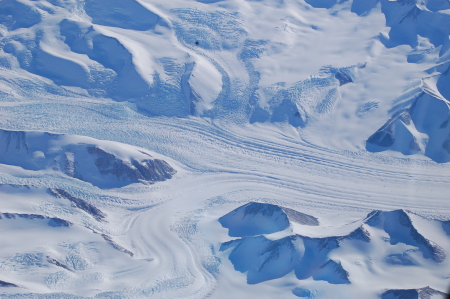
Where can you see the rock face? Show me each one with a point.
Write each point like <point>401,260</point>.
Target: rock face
<point>79,203</point>
<point>102,163</point>
<point>8,284</point>
<point>52,221</point>
<point>422,293</point>
<point>137,171</point>
<point>398,225</point>
<point>54,243</point>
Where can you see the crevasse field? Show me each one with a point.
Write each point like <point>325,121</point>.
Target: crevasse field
<point>224,149</point>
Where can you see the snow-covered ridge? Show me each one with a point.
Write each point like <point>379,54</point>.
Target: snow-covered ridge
<point>259,218</point>
<point>71,248</point>
<point>105,164</point>
<point>270,104</point>
<point>52,221</point>
<point>208,59</point>
<point>79,203</point>
<point>263,255</point>
<point>423,126</point>
<point>422,293</point>
<point>68,254</point>
<point>107,49</point>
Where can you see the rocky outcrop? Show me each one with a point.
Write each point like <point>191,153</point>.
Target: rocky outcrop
<point>115,245</point>
<point>104,164</point>
<point>422,293</point>
<point>5,284</point>
<point>79,203</point>
<point>52,221</point>
<point>398,225</point>
<point>57,263</point>
<point>137,171</point>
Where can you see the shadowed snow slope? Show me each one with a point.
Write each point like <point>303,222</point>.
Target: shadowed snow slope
<point>116,49</point>
<point>259,218</point>
<point>267,257</point>
<point>423,293</point>
<point>212,60</point>
<point>224,148</point>
<point>423,127</point>
<point>104,164</point>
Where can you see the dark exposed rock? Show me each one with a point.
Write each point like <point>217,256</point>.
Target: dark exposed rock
<point>79,203</point>
<point>343,78</point>
<point>55,222</point>
<point>8,284</point>
<point>422,293</point>
<point>358,234</point>
<point>57,263</point>
<point>385,136</point>
<point>85,161</point>
<point>403,259</point>
<point>332,272</point>
<point>145,171</point>
<point>301,218</point>
<point>400,228</point>
<point>427,292</point>
<point>115,245</point>
<point>14,141</point>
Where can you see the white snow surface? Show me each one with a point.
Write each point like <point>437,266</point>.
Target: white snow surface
<point>310,141</point>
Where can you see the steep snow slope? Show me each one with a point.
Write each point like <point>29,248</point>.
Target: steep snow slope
<point>121,50</point>
<point>218,60</point>
<point>102,163</point>
<point>267,257</point>
<point>308,137</point>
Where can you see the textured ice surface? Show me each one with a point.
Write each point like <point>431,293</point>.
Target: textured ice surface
<point>311,114</point>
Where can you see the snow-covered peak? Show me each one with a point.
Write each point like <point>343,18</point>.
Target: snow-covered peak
<point>325,258</point>
<point>260,218</point>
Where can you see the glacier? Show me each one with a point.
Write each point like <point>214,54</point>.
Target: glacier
<point>224,148</point>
